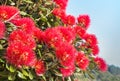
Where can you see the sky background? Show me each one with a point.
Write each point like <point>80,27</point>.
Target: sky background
<point>105,23</point>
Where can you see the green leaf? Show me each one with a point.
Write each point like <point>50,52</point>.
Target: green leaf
<point>21,75</point>
<point>28,1</point>
<point>42,8</point>
<point>25,72</point>
<point>12,69</point>
<point>69,79</point>
<point>44,78</point>
<point>9,29</point>
<point>57,73</point>
<point>30,75</point>
<point>48,24</point>
<point>39,46</point>
<point>44,19</point>
<point>11,77</point>
<point>12,4</point>
<point>90,75</point>
<point>39,52</point>
<point>1,60</point>
<point>7,67</point>
<point>23,13</point>
<point>48,3</point>
<point>1,47</point>
<point>2,41</point>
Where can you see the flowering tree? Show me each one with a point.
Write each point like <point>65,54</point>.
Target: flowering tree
<point>40,42</point>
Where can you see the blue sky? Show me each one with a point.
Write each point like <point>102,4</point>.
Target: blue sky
<point>105,23</point>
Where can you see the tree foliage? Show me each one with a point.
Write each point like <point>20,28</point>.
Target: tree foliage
<point>40,42</point>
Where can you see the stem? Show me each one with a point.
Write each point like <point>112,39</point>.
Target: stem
<point>49,13</point>
<point>12,17</point>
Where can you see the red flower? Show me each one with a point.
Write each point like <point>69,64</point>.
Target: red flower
<point>6,12</point>
<point>2,29</point>
<point>70,20</point>
<point>52,36</point>
<point>38,33</point>
<point>95,50</point>
<point>82,61</point>
<point>59,13</point>
<point>84,21</point>
<point>67,71</point>
<point>66,54</point>
<point>80,31</point>
<point>91,39</point>
<point>23,37</point>
<point>67,33</point>
<point>61,3</point>
<point>101,64</point>
<point>20,55</point>
<point>39,67</point>
<point>26,24</point>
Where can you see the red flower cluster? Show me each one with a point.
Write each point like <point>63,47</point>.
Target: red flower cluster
<point>95,49</point>
<point>80,31</point>
<point>22,37</point>
<point>55,35</point>
<point>60,12</point>
<point>69,19</point>
<point>82,61</point>
<point>84,21</point>
<point>67,71</point>
<point>7,12</point>
<point>38,33</point>
<point>101,64</point>
<point>25,24</point>
<point>92,42</point>
<point>66,19</point>
<point>39,67</point>
<point>20,55</point>
<point>61,38</point>
<point>90,39</point>
<point>2,29</point>
<point>68,34</point>
<point>66,54</point>
<point>61,3</point>
<point>87,42</point>
<point>22,41</point>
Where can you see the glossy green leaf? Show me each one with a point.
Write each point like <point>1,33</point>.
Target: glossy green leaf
<point>21,75</point>
<point>7,67</point>
<point>2,41</point>
<point>30,76</point>
<point>44,18</point>
<point>23,13</point>
<point>1,47</point>
<point>12,68</point>
<point>25,72</point>
<point>39,46</point>
<point>28,1</point>
<point>44,78</point>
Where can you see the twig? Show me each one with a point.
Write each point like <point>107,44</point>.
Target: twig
<point>12,17</point>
